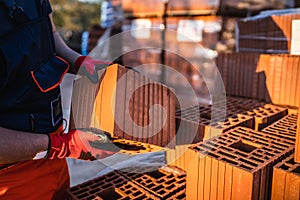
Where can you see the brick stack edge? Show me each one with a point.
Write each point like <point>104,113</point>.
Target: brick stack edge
<point>286,180</point>
<point>268,77</point>
<point>297,148</point>
<point>134,183</point>
<point>236,165</point>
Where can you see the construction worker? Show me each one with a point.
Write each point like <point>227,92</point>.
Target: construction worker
<point>33,146</point>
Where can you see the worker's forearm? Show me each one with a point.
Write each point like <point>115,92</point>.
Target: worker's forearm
<point>64,51</point>
<point>19,146</point>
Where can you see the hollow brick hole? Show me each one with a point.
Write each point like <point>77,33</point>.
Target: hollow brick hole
<point>110,193</point>
<point>297,170</point>
<point>245,146</point>
<point>205,116</point>
<point>156,174</point>
<point>129,147</point>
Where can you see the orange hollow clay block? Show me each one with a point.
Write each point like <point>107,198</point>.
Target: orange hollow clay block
<point>125,104</point>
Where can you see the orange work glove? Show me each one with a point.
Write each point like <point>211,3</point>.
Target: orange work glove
<point>80,144</point>
<point>89,67</point>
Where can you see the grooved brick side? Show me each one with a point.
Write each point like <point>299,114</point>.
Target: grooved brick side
<point>236,165</point>
<point>241,76</point>
<point>297,148</point>
<point>269,77</point>
<point>134,183</point>
<point>286,180</point>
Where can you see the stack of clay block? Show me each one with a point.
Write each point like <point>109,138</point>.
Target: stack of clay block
<point>207,33</point>
<point>135,8</point>
<point>227,38</point>
<point>125,104</point>
<point>200,123</point>
<point>286,180</point>
<point>268,32</point>
<point>236,165</point>
<point>269,77</point>
<point>134,183</point>
<point>282,75</point>
<point>297,150</point>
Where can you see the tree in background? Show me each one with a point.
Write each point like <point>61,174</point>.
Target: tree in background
<point>75,15</point>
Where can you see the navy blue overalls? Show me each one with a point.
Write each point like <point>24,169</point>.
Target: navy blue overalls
<point>30,72</point>
<point>30,100</point>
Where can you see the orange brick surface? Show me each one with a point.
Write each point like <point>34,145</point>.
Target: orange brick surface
<point>121,104</point>
<point>286,180</point>
<point>236,165</point>
<point>268,77</point>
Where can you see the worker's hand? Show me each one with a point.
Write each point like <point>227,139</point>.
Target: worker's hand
<point>80,144</point>
<point>87,66</point>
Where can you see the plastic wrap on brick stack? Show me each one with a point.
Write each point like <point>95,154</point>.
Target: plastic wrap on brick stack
<point>284,128</point>
<point>286,180</point>
<point>163,183</point>
<point>297,150</point>
<point>126,104</point>
<point>107,187</point>
<point>236,165</point>
<point>268,32</point>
